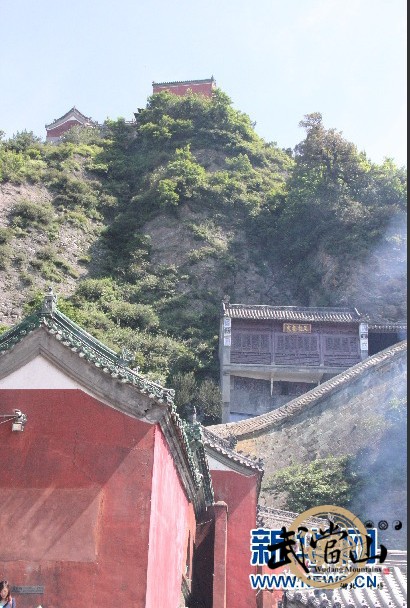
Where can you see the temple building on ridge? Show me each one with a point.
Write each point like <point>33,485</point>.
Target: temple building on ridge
<point>183,87</point>
<point>73,118</point>
<point>70,119</point>
<point>270,355</point>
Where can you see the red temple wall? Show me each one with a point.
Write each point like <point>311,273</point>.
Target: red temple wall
<point>240,494</point>
<point>61,129</point>
<point>172,527</point>
<point>75,490</point>
<point>204,88</point>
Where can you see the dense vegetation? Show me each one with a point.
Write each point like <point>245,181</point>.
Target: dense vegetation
<point>321,482</point>
<point>238,212</point>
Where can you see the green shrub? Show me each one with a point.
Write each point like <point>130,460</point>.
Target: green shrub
<point>82,135</point>
<point>5,235</point>
<point>21,159</point>
<point>94,290</point>
<point>22,141</point>
<point>26,278</point>
<point>5,255</point>
<point>205,397</point>
<point>3,328</point>
<point>11,166</point>
<point>210,402</point>
<point>66,267</point>
<point>72,192</point>
<point>196,255</point>
<point>76,218</point>
<point>47,253</point>
<point>20,258</point>
<point>159,356</point>
<point>26,214</point>
<point>137,316</point>
<point>50,272</point>
<point>183,178</point>
<point>324,481</point>
<point>55,155</point>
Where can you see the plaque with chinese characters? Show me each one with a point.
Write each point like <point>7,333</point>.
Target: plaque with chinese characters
<point>33,589</point>
<point>297,328</point>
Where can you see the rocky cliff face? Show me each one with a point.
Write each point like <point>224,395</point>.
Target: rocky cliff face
<point>212,252</point>
<point>54,249</point>
<point>375,282</point>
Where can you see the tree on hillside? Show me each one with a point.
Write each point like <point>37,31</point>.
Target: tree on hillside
<point>338,202</point>
<point>327,480</point>
<point>204,398</point>
<point>22,140</point>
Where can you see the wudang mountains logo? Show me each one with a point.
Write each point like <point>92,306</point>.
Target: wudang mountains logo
<point>327,547</point>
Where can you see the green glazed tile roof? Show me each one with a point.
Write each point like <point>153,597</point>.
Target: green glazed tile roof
<point>86,346</point>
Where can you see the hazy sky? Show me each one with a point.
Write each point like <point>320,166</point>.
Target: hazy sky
<point>277,59</point>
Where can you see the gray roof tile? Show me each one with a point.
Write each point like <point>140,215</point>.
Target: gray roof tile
<point>291,313</point>
<point>393,594</point>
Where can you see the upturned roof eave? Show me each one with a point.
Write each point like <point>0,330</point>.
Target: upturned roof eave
<point>220,448</point>
<point>59,121</point>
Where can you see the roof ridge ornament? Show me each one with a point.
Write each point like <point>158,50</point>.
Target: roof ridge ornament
<point>49,302</point>
<point>125,356</point>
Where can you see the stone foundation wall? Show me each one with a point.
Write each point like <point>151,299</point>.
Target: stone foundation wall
<point>365,418</point>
